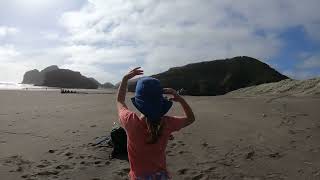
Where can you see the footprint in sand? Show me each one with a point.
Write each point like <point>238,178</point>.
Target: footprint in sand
<point>123,172</point>
<point>275,155</point>
<point>51,151</point>
<point>25,176</point>
<point>73,132</point>
<point>182,152</point>
<point>47,173</point>
<point>18,169</point>
<point>97,162</point>
<point>204,144</point>
<point>209,169</point>
<point>173,145</point>
<point>69,155</point>
<point>44,163</point>
<point>183,171</point>
<point>80,157</point>
<point>181,143</point>
<point>41,166</point>
<point>40,174</point>
<point>63,167</point>
<point>17,163</point>
<point>85,163</point>
<point>199,177</point>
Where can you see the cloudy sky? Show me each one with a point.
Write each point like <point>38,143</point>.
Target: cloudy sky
<point>105,38</point>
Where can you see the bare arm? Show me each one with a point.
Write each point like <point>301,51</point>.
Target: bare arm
<point>188,113</point>
<point>122,91</point>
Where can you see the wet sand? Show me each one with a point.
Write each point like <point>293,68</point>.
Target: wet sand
<point>48,135</point>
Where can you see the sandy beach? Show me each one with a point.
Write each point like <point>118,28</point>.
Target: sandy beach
<point>48,135</point>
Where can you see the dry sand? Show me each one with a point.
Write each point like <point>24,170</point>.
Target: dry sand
<point>48,135</point>
<point>284,87</point>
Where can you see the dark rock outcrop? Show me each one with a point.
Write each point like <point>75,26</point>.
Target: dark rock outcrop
<point>36,77</point>
<point>217,77</point>
<point>32,77</point>
<point>66,78</point>
<point>107,85</point>
<point>49,68</point>
<point>52,76</point>
<point>95,81</point>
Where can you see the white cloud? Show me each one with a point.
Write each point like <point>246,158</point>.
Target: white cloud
<point>86,54</point>
<point>92,71</point>
<point>7,31</point>
<point>165,33</point>
<point>8,53</point>
<point>307,68</point>
<point>14,62</point>
<point>312,62</point>
<point>301,74</point>
<point>314,30</point>
<point>51,36</point>
<point>11,64</point>
<point>160,34</point>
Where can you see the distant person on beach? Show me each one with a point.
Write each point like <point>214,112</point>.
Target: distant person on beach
<point>148,134</point>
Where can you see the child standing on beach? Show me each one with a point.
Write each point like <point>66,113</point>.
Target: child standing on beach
<point>148,134</point>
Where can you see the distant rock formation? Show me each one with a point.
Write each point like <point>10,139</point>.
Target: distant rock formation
<point>36,77</point>
<point>217,77</point>
<point>32,77</point>
<point>96,82</point>
<point>107,85</point>
<point>66,78</point>
<point>52,76</point>
<point>49,68</point>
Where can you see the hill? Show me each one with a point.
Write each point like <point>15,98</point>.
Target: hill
<point>217,77</point>
<point>36,77</point>
<point>107,85</point>
<point>52,76</point>
<point>95,82</point>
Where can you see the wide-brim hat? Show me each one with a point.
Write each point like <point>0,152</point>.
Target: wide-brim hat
<point>149,99</point>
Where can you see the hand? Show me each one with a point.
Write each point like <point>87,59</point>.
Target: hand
<point>176,97</point>
<point>135,72</point>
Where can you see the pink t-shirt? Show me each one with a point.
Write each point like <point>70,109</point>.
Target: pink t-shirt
<point>146,159</point>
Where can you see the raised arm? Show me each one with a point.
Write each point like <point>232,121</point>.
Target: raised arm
<point>188,113</point>
<point>121,97</point>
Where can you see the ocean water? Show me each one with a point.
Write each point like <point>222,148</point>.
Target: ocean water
<point>18,86</point>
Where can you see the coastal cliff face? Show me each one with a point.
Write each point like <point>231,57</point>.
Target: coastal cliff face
<point>66,78</point>
<point>36,77</point>
<point>217,77</point>
<point>32,77</point>
<point>52,76</point>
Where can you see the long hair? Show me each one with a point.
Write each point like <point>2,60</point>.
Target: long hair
<point>154,129</point>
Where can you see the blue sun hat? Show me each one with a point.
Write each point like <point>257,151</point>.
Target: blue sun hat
<point>149,99</point>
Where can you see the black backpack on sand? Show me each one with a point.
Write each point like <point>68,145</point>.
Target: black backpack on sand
<point>119,142</point>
